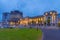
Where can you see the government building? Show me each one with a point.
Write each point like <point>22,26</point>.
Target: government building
<point>49,18</point>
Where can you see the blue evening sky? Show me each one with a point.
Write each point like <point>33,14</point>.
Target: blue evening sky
<point>29,7</point>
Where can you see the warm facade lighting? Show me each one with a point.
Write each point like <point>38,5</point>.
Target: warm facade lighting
<point>30,19</point>
<point>21,22</point>
<point>36,22</point>
<point>41,19</point>
<point>53,17</point>
<point>51,13</point>
<point>46,14</point>
<point>12,23</point>
<point>44,18</point>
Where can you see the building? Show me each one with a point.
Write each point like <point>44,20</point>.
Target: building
<point>49,18</point>
<point>12,17</point>
<point>5,16</point>
<point>5,19</point>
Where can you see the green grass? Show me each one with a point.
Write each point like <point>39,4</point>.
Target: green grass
<point>20,34</point>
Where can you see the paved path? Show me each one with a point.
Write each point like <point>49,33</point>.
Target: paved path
<point>51,34</point>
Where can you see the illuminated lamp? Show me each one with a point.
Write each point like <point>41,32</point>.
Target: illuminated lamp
<point>51,13</point>
<point>37,22</point>
<point>46,14</point>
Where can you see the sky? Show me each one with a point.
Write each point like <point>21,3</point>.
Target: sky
<point>29,7</point>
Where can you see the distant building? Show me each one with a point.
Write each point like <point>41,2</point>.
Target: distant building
<point>5,16</point>
<point>16,14</point>
<point>14,17</point>
<point>5,19</point>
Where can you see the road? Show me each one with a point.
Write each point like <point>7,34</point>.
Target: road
<point>51,34</point>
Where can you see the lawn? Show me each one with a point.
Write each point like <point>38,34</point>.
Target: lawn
<point>20,34</point>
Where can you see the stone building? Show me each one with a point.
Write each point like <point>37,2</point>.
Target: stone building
<point>12,18</point>
<point>49,18</point>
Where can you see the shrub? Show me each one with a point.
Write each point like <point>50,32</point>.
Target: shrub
<point>58,24</point>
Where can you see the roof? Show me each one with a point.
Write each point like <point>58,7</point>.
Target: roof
<point>53,11</point>
<point>34,17</point>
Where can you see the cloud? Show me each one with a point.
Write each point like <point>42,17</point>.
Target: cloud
<point>29,7</point>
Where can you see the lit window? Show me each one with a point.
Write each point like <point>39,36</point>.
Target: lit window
<point>37,22</point>
<point>21,22</point>
<point>11,23</point>
<point>30,19</point>
<point>41,19</point>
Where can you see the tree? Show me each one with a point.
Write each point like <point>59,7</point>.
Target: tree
<point>59,24</point>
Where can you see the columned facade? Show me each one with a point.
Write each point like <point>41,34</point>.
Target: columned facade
<point>50,18</point>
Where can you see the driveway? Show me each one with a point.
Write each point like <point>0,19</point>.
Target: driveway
<point>51,34</point>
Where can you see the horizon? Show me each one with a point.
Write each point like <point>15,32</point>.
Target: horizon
<point>29,8</point>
